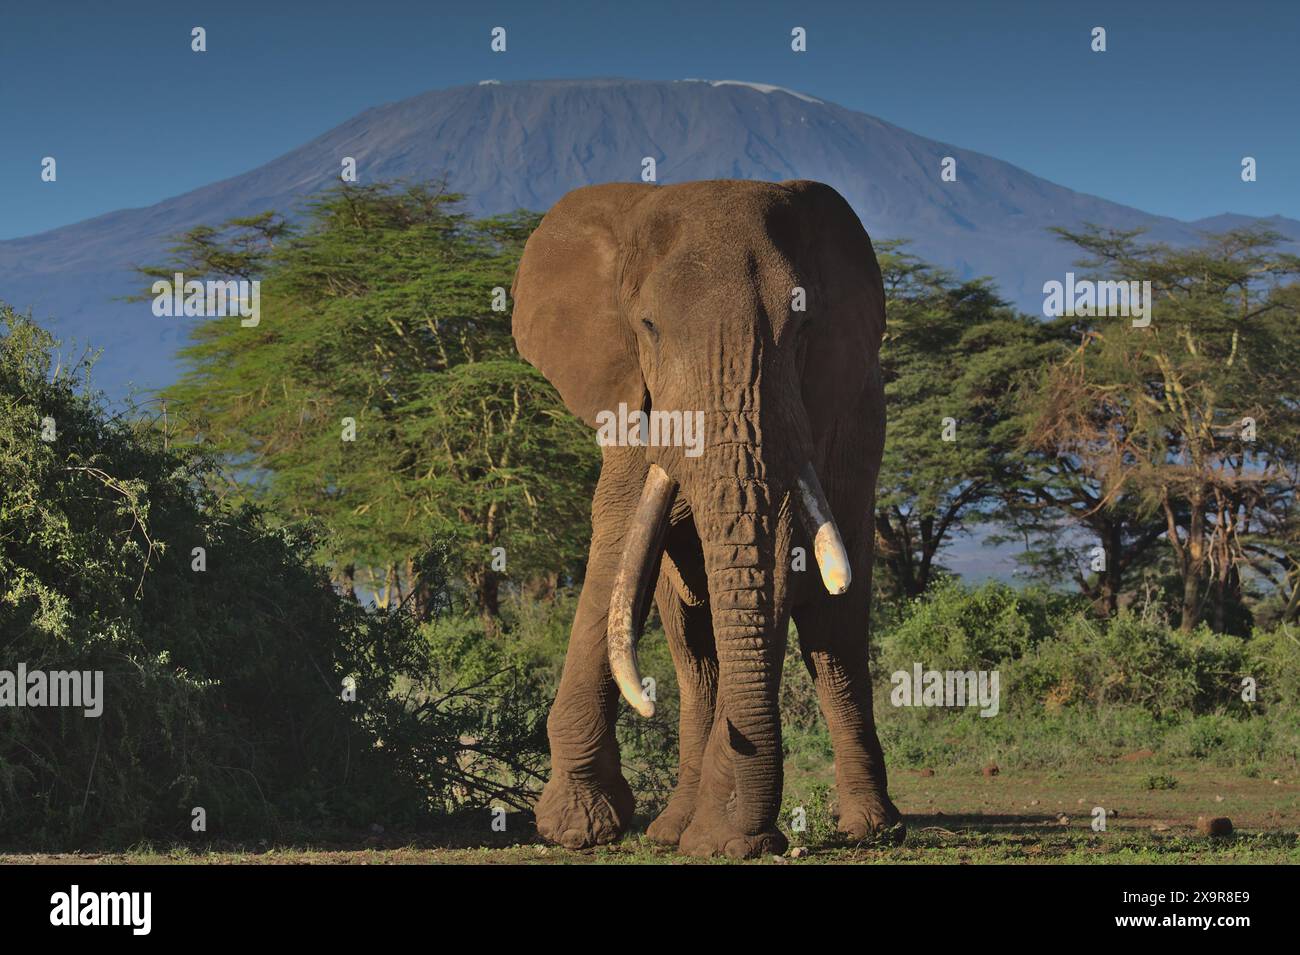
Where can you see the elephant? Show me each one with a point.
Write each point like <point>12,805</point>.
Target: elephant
<point>758,309</point>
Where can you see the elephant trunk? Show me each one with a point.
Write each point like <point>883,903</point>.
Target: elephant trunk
<point>739,533</point>
<point>635,582</point>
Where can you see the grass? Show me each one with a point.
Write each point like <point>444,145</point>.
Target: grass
<point>954,817</point>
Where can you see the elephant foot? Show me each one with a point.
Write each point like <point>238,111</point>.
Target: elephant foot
<point>871,818</point>
<point>578,813</point>
<point>669,825</point>
<point>726,840</point>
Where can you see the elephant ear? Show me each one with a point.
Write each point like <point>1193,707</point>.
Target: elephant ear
<point>567,319</point>
<point>847,297</point>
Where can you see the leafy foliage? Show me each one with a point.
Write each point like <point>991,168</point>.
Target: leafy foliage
<point>224,669</point>
<point>952,352</point>
<point>382,311</point>
<point>1052,655</point>
<point>1188,427</point>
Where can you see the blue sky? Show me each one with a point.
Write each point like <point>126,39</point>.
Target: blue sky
<point>1159,121</point>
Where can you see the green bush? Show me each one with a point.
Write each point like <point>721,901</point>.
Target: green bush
<point>1052,654</point>
<point>1126,660</point>
<point>953,627</point>
<point>1273,659</point>
<point>223,686</point>
<point>1075,688</point>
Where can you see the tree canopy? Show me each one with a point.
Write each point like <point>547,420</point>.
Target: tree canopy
<point>381,394</point>
<point>952,355</point>
<point>1186,429</point>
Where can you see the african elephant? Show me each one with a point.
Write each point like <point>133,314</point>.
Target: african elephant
<point>757,308</point>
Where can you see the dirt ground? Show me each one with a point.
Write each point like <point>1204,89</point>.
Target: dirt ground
<point>953,817</point>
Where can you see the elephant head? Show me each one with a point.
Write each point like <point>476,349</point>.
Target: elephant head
<point>754,307</point>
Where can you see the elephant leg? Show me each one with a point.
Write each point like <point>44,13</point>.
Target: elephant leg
<point>833,642</point>
<point>689,630</point>
<point>587,801</point>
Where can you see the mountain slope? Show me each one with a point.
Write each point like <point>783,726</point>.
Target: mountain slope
<point>526,144</point>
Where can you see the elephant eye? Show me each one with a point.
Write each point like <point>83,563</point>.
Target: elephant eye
<point>650,326</point>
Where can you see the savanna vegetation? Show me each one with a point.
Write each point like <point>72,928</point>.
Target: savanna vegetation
<point>329,574</point>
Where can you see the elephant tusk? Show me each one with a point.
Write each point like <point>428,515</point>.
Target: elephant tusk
<point>828,546</point>
<point>636,569</point>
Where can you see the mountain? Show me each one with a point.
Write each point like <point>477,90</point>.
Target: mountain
<point>507,145</point>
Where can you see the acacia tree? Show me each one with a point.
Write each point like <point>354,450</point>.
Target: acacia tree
<point>1057,493</point>
<point>1194,418</point>
<point>952,350</point>
<point>1064,492</point>
<point>381,394</point>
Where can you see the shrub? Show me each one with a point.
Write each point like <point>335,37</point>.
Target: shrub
<point>1126,660</point>
<point>1052,654</point>
<point>1273,659</point>
<point>223,669</point>
<point>960,628</point>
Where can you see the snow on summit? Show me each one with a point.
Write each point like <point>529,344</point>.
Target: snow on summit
<point>761,87</point>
